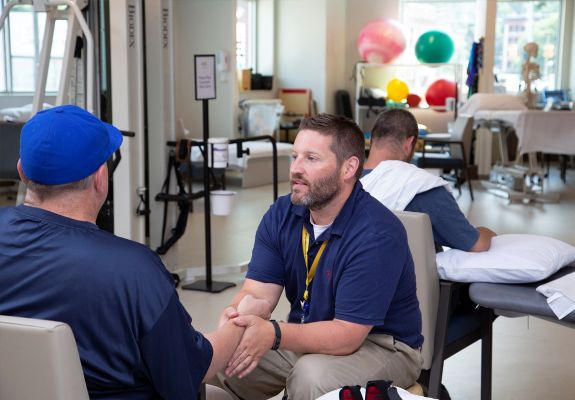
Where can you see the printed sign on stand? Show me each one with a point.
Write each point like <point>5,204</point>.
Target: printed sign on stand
<point>205,74</point>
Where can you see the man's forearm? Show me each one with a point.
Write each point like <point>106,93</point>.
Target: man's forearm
<point>326,337</point>
<point>224,342</point>
<point>483,243</point>
<point>257,298</point>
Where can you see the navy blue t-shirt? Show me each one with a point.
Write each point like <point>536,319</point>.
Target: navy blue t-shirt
<point>134,337</point>
<point>365,274</point>
<point>449,225</point>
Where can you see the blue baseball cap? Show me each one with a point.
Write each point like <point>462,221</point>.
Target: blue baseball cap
<point>65,144</point>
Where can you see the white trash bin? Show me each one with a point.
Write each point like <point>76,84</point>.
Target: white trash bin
<point>222,202</point>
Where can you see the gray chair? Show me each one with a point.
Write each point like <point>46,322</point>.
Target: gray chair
<point>447,327</point>
<point>39,360</point>
<point>422,247</point>
<point>455,154</point>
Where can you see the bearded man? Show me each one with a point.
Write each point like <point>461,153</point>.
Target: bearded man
<point>344,263</point>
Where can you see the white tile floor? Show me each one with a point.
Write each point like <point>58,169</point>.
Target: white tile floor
<point>533,359</point>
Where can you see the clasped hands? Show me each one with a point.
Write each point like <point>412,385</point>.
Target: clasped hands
<point>252,314</point>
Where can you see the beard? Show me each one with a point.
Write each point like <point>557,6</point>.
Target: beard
<point>319,193</point>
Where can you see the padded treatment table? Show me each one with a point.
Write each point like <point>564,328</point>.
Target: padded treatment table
<point>256,168</point>
<point>516,300</point>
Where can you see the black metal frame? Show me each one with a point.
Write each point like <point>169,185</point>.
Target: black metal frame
<point>459,164</point>
<point>185,200</point>
<point>444,350</point>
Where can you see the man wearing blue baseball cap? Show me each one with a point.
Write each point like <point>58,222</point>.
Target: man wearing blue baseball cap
<point>134,337</point>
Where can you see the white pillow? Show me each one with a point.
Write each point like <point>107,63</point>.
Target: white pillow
<point>510,259</point>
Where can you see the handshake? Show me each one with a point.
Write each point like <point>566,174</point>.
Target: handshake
<point>258,338</point>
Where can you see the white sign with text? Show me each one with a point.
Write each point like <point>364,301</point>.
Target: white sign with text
<point>205,72</point>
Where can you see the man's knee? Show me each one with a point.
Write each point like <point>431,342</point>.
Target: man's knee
<point>216,393</point>
<point>310,379</point>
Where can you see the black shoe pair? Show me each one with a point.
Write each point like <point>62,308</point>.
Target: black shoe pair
<point>374,390</point>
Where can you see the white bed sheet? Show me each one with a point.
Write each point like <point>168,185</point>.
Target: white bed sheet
<point>546,131</point>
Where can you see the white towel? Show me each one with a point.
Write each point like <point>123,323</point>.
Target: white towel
<point>395,183</point>
<point>560,294</point>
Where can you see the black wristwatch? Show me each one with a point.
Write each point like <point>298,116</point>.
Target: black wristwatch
<point>278,334</point>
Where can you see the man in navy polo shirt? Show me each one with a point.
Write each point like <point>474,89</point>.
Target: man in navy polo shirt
<point>398,185</point>
<point>134,337</point>
<point>344,263</point>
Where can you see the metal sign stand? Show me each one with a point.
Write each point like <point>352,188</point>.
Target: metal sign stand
<point>205,77</point>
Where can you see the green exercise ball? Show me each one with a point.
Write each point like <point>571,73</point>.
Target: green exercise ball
<point>434,47</point>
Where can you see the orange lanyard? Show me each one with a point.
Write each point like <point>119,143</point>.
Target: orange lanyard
<point>310,272</point>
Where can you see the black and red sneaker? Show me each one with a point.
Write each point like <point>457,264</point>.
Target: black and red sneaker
<point>350,393</point>
<point>377,390</point>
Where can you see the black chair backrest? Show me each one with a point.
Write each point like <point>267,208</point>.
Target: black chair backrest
<point>9,149</point>
<point>343,104</point>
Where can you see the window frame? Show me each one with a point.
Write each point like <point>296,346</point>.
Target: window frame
<point>8,57</point>
<point>565,74</point>
<point>565,26</point>
<point>251,36</point>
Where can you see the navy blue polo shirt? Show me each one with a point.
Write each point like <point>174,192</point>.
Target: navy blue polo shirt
<point>365,274</point>
<point>134,337</point>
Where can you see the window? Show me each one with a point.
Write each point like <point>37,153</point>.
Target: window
<point>2,63</point>
<point>518,23</point>
<point>246,34</point>
<point>454,17</point>
<point>21,50</point>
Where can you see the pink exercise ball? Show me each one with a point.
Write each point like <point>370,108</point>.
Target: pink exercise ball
<point>440,90</point>
<point>381,41</point>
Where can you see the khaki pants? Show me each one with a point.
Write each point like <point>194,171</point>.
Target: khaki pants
<point>309,376</point>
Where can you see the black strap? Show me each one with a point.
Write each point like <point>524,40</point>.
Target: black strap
<point>278,334</point>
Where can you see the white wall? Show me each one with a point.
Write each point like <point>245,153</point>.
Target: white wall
<point>358,14</point>
<point>204,27</point>
<point>265,37</point>
<point>301,46</point>
<point>335,73</point>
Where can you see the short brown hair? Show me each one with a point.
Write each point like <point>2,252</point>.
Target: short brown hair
<point>47,191</point>
<point>348,139</point>
<point>394,124</point>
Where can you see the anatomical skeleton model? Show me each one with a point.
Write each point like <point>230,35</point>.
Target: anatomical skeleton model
<point>529,73</point>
